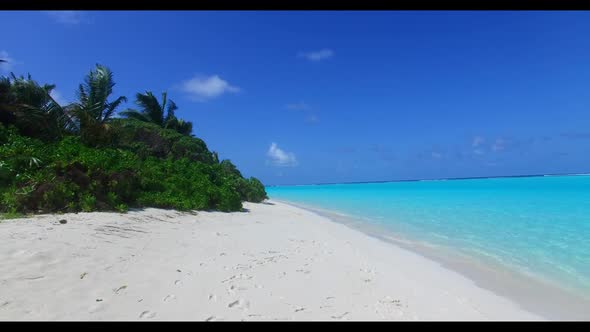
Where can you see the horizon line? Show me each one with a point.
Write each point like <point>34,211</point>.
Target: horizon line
<point>433,179</point>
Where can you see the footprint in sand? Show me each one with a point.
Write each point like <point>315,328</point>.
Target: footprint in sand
<point>213,297</point>
<point>34,278</point>
<point>96,307</point>
<point>228,279</point>
<point>119,289</point>
<point>239,304</point>
<point>368,271</point>
<point>177,282</point>
<point>254,315</point>
<point>147,314</point>
<point>239,276</point>
<point>169,297</point>
<point>340,316</point>
<point>388,306</point>
<point>233,288</point>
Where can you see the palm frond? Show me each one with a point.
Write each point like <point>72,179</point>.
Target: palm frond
<point>65,121</point>
<point>164,100</point>
<point>93,95</point>
<point>111,108</point>
<point>184,127</point>
<point>150,107</point>
<point>170,111</point>
<point>133,114</point>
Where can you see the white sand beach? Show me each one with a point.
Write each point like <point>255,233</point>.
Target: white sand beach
<point>274,262</point>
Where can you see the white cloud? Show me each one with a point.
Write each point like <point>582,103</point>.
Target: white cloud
<point>8,65</point>
<point>574,135</point>
<point>281,158</point>
<point>478,144</point>
<point>317,55</point>
<point>312,118</point>
<point>68,17</point>
<point>306,109</point>
<point>300,106</point>
<point>499,145</point>
<point>202,88</point>
<point>477,141</point>
<point>56,95</point>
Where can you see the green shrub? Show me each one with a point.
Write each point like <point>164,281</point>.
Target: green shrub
<point>179,184</point>
<point>6,174</point>
<point>87,202</point>
<point>165,170</point>
<point>11,215</point>
<point>147,139</point>
<point>22,155</point>
<point>4,132</point>
<point>8,201</point>
<point>229,169</point>
<point>229,200</point>
<point>55,196</point>
<point>122,208</point>
<point>112,199</point>
<point>256,192</point>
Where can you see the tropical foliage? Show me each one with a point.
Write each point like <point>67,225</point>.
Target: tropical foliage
<point>81,157</point>
<point>159,114</point>
<point>30,107</point>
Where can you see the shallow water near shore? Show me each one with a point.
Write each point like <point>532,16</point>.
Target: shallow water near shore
<point>522,238</point>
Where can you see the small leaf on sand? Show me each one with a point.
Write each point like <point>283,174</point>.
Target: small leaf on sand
<point>83,275</point>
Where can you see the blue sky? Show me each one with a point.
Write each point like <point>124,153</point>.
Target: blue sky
<point>308,97</point>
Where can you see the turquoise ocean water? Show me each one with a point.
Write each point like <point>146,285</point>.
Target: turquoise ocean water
<point>536,226</point>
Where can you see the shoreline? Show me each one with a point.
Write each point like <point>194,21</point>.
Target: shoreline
<point>273,262</point>
<point>534,295</point>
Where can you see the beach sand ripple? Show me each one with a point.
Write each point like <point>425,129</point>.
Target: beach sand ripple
<point>274,262</point>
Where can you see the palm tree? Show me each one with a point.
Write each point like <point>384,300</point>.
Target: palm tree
<point>93,104</point>
<point>151,110</point>
<point>181,126</point>
<point>93,109</point>
<point>31,108</point>
<point>7,101</point>
<point>160,114</point>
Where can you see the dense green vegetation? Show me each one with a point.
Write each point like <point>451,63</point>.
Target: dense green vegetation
<point>80,157</point>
